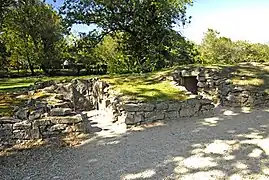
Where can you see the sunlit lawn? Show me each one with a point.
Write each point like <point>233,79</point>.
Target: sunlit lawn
<point>145,87</point>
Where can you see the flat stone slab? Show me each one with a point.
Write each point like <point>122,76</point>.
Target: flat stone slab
<point>9,120</point>
<point>60,111</point>
<point>63,119</point>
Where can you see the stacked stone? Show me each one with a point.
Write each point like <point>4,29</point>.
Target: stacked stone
<point>40,119</point>
<point>137,113</point>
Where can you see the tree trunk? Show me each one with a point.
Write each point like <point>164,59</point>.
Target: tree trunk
<point>31,67</point>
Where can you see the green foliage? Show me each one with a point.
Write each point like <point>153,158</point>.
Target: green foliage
<point>222,50</point>
<point>34,33</point>
<point>145,27</point>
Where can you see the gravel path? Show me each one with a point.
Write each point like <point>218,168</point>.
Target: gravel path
<point>230,144</point>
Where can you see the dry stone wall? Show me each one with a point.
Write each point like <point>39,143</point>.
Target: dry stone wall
<point>60,112</point>
<point>57,114</point>
<point>216,83</point>
<point>141,112</point>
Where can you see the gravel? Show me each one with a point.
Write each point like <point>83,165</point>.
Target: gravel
<point>233,143</point>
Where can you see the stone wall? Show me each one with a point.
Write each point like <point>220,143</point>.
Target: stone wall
<point>135,113</point>
<point>57,112</point>
<point>214,83</point>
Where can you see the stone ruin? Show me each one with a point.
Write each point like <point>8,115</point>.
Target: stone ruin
<point>214,83</point>
<point>61,111</point>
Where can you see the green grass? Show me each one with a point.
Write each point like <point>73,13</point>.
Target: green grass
<point>146,87</point>
<point>251,75</point>
<point>9,101</point>
<point>14,84</point>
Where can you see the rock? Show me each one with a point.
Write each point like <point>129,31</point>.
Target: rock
<point>10,120</point>
<point>193,102</point>
<point>62,105</point>
<point>81,86</point>
<point>201,78</point>
<point>146,107</point>
<point>172,115</point>
<point>60,111</point>
<point>207,107</point>
<point>139,117</point>
<point>201,84</point>
<point>30,102</point>
<point>132,107</point>
<point>31,93</point>
<point>6,126</point>
<point>174,106</point>
<point>133,118</point>
<point>59,96</point>
<point>22,113</point>
<point>161,106</point>
<point>22,125</point>
<point>49,89</point>
<point>22,134</point>
<point>65,119</point>
<point>49,134</point>
<point>79,127</point>
<point>84,103</point>
<point>218,82</point>
<point>187,112</point>
<point>41,122</point>
<point>35,133</point>
<point>153,116</point>
<point>41,105</point>
<point>107,103</point>
<point>58,127</point>
<point>35,114</point>
<point>228,81</point>
<point>128,116</point>
<point>5,134</point>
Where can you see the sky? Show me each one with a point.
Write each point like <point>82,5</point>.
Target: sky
<point>236,19</point>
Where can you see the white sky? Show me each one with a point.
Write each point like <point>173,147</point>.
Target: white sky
<point>236,19</point>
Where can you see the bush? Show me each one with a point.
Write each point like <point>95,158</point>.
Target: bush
<point>222,50</point>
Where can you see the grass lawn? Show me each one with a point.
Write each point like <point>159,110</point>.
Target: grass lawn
<point>252,75</point>
<point>145,87</point>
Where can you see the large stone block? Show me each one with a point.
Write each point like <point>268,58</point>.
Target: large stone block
<point>133,118</point>
<point>42,122</point>
<point>132,107</point>
<point>172,115</point>
<point>65,119</point>
<point>58,127</point>
<point>174,106</point>
<point>9,120</point>
<point>161,106</point>
<point>188,111</point>
<point>79,127</point>
<point>22,113</point>
<point>153,116</point>
<point>22,125</point>
<point>60,111</point>
<point>22,134</point>
<point>147,107</point>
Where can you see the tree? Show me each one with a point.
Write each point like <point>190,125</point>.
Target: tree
<point>145,26</point>
<point>36,23</point>
<point>217,49</point>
